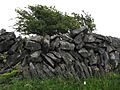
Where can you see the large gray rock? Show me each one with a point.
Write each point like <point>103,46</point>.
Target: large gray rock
<point>79,46</point>
<point>47,71</point>
<point>36,38</point>
<point>83,52</point>
<point>78,31</point>
<point>45,43</point>
<point>18,45</point>
<point>66,45</point>
<point>58,70</point>
<point>68,59</point>
<point>114,59</point>
<point>48,60</point>
<point>95,71</point>
<point>33,70</point>
<point>13,59</point>
<point>6,41</point>
<point>55,44</point>
<point>115,42</point>
<point>53,57</point>
<point>7,36</point>
<point>110,48</point>
<point>25,71</point>
<point>94,60</point>
<point>66,37</point>
<point>89,38</point>
<point>35,54</point>
<point>91,46</point>
<point>57,54</point>
<point>85,69</point>
<point>5,45</point>
<point>32,46</point>
<point>35,60</point>
<point>98,36</point>
<point>39,69</point>
<point>79,38</point>
<point>76,56</point>
<point>79,70</point>
<point>2,31</point>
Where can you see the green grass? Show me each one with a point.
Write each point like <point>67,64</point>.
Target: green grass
<point>109,81</point>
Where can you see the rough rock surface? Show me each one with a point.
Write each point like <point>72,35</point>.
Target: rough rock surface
<point>78,53</point>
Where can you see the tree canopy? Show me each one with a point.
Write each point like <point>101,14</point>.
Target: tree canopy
<point>41,19</point>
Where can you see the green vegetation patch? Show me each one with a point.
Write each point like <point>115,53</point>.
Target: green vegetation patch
<point>109,81</point>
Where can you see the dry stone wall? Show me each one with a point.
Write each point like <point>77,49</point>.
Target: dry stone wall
<point>78,53</point>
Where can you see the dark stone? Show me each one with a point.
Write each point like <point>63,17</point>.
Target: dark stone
<point>36,60</point>
<point>33,70</point>
<point>25,60</point>
<point>5,45</point>
<point>35,54</point>
<point>114,59</point>
<point>91,46</point>
<point>66,45</point>
<point>90,71</point>
<point>85,69</point>
<point>48,60</point>
<point>47,71</point>
<point>66,37</point>
<point>84,53</point>
<point>99,41</point>
<point>16,47</point>
<point>58,70</point>
<point>95,59</point>
<point>2,31</point>
<point>52,70</point>
<point>115,42</point>
<point>102,45</point>
<point>68,59</point>
<point>33,46</point>
<point>51,56</point>
<point>79,46</point>
<point>89,38</point>
<point>62,68</point>
<point>101,50</point>
<point>7,36</point>
<point>2,65</point>
<point>98,36</point>
<point>54,58</point>
<point>79,70</point>
<point>39,69</point>
<point>79,38</point>
<point>72,70</point>
<point>55,44</point>
<point>54,37</point>
<point>106,58</point>
<point>76,56</point>
<point>110,48</point>
<point>36,38</point>
<point>25,72</point>
<point>78,31</point>
<point>45,44</point>
<point>95,71</point>
<point>56,54</point>
<point>13,59</point>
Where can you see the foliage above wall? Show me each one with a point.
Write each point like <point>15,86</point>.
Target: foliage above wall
<point>42,19</point>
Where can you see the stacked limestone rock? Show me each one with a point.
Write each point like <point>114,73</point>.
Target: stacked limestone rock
<point>79,54</point>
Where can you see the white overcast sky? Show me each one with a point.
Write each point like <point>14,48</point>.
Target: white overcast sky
<point>105,12</point>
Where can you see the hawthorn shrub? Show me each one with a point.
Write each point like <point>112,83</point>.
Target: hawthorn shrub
<point>43,20</point>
